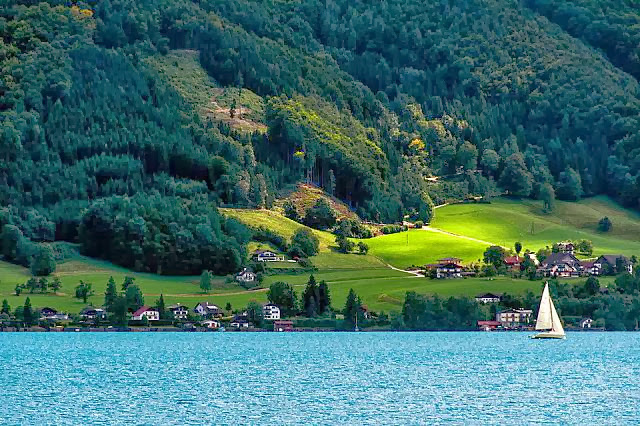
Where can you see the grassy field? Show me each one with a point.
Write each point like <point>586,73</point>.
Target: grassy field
<point>419,247</point>
<point>507,221</point>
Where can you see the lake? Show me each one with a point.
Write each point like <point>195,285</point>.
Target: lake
<point>320,378</point>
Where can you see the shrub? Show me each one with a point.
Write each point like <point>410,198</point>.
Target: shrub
<point>290,210</point>
<point>418,224</point>
<point>306,241</point>
<point>344,244</point>
<point>393,229</point>
<point>320,216</point>
<point>353,229</point>
<point>604,225</point>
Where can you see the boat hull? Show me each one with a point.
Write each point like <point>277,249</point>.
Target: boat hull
<point>548,336</point>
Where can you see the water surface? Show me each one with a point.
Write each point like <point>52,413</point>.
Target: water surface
<point>321,378</point>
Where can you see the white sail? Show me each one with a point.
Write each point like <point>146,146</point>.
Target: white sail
<point>556,324</point>
<point>544,321</point>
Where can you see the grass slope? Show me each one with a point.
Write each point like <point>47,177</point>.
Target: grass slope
<point>506,221</point>
<point>419,247</point>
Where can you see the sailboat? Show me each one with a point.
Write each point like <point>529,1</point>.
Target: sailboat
<point>548,320</point>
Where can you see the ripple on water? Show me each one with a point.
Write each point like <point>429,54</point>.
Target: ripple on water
<point>323,378</point>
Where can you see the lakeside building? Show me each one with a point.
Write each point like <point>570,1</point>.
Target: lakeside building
<point>208,310</point>
<point>240,321</point>
<point>180,312</point>
<point>271,312</point>
<point>91,313</point>
<point>488,298</point>
<point>563,265</point>
<point>267,256</point>
<point>213,324</point>
<point>283,325</point>
<point>513,318</point>
<point>151,314</point>
<point>488,325</point>
<point>586,323</point>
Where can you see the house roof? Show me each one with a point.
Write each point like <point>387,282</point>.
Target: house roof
<point>512,260</point>
<point>176,307</point>
<point>494,323</point>
<point>488,295</point>
<point>283,322</point>
<point>450,259</point>
<point>612,259</point>
<point>142,310</point>
<point>558,258</point>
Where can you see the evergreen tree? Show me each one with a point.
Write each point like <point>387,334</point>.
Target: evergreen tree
<point>110,294</point>
<point>228,307</point>
<point>160,306</point>
<point>518,247</point>
<point>324,297</point>
<point>6,309</point>
<point>28,316</point>
<point>119,309</point>
<point>351,306</point>
<point>255,314</point>
<point>134,297</point>
<point>310,298</point>
<point>127,282</point>
<point>18,289</point>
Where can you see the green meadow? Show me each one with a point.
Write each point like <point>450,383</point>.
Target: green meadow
<point>506,221</point>
<point>502,222</point>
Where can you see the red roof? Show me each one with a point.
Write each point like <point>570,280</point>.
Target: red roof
<point>512,260</point>
<point>142,310</point>
<point>488,323</point>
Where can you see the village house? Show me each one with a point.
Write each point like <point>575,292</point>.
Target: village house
<point>513,262</point>
<point>488,298</point>
<point>488,325</point>
<point>563,265</point>
<point>179,312</point>
<point>533,257</point>
<point>267,256</point>
<point>283,325</point>
<point>566,247</point>
<point>214,324</point>
<point>208,310</point>
<point>240,321</point>
<point>246,276</point>
<point>151,314</point>
<point>91,313</point>
<point>611,262</point>
<point>47,312</point>
<point>586,323</point>
<point>448,267</point>
<point>588,268</point>
<point>271,312</point>
<point>512,318</point>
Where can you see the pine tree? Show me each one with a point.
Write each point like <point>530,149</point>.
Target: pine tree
<point>351,306</point>
<point>110,295</point>
<point>324,298</point>
<point>160,306</point>
<point>310,298</point>
<point>6,309</point>
<point>27,313</point>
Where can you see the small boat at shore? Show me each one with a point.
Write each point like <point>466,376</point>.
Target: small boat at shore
<point>548,321</point>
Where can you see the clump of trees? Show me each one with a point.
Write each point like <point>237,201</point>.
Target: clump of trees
<point>304,243</point>
<point>604,224</point>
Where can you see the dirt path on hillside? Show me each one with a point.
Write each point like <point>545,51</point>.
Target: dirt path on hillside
<point>414,273</point>
<point>464,237</point>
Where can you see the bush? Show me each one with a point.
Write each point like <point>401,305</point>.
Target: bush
<point>604,225</point>
<point>393,229</point>
<point>418,224</point>
<point>363,248</point>
<point>290,210</point>
<point>353,229</point>
<point>344,244</point>
<point>320,216</point>
<point>305,241</point>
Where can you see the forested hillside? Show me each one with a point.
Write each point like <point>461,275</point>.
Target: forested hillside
<point>114,131</point>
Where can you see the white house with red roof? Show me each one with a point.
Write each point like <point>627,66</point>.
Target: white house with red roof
<point>151,314</point>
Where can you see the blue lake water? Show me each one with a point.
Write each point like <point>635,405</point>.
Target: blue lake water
<point>319,378</point>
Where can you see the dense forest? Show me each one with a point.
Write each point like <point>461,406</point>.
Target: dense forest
<point>538,99</point>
